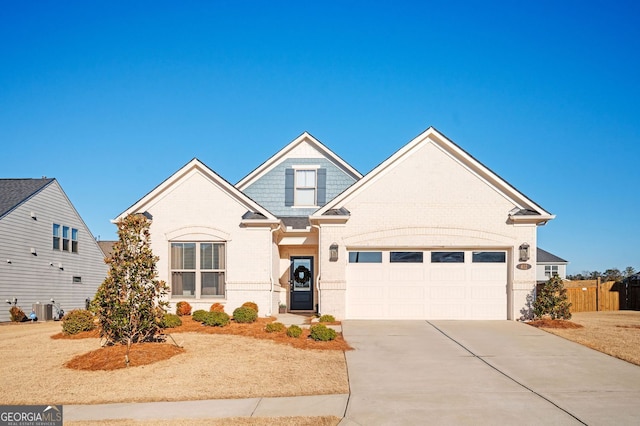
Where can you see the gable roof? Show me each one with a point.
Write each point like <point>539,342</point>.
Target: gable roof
<point>258,213</point>
<point>544,256</point>
<point>282,155</point>
<point>526,211</point>
<point>14,192</point>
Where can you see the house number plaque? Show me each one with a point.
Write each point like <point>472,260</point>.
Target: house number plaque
<point>523,266</point>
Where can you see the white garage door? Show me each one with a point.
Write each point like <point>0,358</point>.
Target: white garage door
<point>427,285</point>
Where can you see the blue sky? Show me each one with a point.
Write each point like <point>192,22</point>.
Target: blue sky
<point>113,97</point>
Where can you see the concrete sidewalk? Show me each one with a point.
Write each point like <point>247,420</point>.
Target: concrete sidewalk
<point>317,405</point>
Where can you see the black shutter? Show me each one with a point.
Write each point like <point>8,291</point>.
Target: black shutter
<point>289,179</point>
<point>322,187</point>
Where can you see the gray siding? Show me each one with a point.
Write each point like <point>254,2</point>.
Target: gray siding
<point>269,190</point>
<point>31,278</point>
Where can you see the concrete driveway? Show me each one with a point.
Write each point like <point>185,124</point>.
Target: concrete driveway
<point>482,373</point>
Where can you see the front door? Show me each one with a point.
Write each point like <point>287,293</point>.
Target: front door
<point>301,283</point>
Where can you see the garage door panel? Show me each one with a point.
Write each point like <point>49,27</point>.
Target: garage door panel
<point>405,293</point>
<point>427,290</point>
<point>447,273</point>
<point>407,274</point>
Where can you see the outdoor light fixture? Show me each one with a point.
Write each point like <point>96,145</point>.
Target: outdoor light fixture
<point>33,251</point>
<point>60,266</point>
<point>8,260</point>
<point>333,252</point>
<point>524,252</point>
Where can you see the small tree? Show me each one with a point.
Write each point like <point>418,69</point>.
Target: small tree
<point>552,300</point>
<point>129,303</point>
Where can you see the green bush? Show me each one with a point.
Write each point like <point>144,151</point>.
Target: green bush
<point>183,308</point>
<point>171,321</point>
<point>294,331</point>
<point>17,314</point>
<point>274,327</point>
<point>199,315</point>
<point>321,332</point>
<point>216,319</point>
<point>77,321</point>
<point>327,318</point>
<point>552,301</point>
<point>251,305</point>
<point>245,315</point>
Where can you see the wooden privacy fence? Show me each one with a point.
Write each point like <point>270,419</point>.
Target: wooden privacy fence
<point>592,295</point>
<point>603,297</point>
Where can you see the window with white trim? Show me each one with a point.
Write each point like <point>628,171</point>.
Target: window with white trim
<point>198,270</point>
<point>550,270</point>
<point>305,188</point>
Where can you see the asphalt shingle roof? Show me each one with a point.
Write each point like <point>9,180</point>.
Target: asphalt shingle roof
<point>544,256</point>
<point>14,192</point>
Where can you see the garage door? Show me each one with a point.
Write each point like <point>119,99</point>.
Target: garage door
<point>427,285</point>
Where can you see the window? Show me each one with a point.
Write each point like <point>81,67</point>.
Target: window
<point>65,238</point>
<point>489,257</point>
<point>406,257</point>
<point>194,276</point>
<point>74,240</point>
<point>550,270</point>
<point>447,257</point>
<point>305,188</point>
<point>56,236</point>
<point>212,266</point>
<point>69,240</point>
<point>365,257</point>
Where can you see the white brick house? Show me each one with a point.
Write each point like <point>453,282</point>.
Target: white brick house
<point>430,233</point>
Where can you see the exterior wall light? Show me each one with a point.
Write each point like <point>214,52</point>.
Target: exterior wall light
<point>524,252</point>
<point>333,252</point>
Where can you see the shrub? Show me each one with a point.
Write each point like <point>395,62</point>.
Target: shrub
<point>171,320</point>
<point>251,305</point>
<point>217,307</point>
<point>199,315</point>
<point>77,321</point>
<point>327,318</point>
<point>321,332</point>
<point>216,319</point>
<point>274,327</point>
<point>17,314</point>
<point>552,301</point>
<point>294,331</point>
<point>245,315</point>
<point>183,308</point>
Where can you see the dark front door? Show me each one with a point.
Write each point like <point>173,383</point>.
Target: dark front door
<point>301,283</point>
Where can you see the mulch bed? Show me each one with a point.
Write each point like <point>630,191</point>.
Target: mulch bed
<point>550,323</point>
<point>113,357</point>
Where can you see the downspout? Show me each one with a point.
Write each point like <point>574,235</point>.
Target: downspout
<point>271,268</point>
<point>318,274</point>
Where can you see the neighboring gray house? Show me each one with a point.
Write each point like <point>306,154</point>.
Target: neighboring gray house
<point>548,265</point>
<point>46,249</point>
